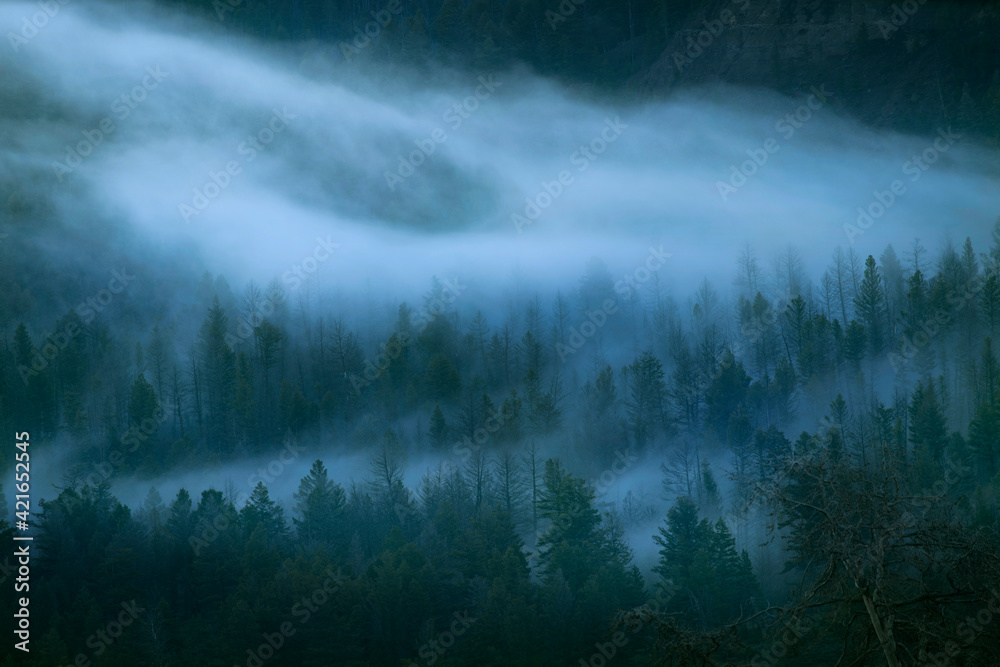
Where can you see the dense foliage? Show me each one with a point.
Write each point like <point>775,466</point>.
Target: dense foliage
<point>828,446</point>
<point>651,47</point>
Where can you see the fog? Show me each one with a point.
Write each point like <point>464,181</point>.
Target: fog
<point>326,181</point>
<point>324,174</point>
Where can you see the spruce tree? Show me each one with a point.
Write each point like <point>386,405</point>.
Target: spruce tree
<point>869,304</point>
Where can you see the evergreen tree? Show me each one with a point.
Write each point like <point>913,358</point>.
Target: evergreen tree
<point>713,583</point>
<point>142,403</point>
<point>984,441</point>
<point>645,404</point>
<point>319,506</point>
<point>441,379</point>
<point>218,362</point>
<point>726,392</point>
<point>438,432</point>
<point>869,304</point>
<point>262,513</point>
<point>928,430</point>
<point>567,545</point>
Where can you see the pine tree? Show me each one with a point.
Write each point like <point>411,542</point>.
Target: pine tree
<point>685,389</point>
<point>512,426</point>
<point>441,379</point>
<point>681,540</point>
<point>712,499</point>
<point>34,403</point>
<point>726,392</point>
<point>438,432</point>
<point>645,402</point>
<point>262,513</point>
<point>142,403</point>
<point>834,445</point>
<point>143,408</point>
<point>989,304</point>
<point>244,403</point>
<point>319,503</point>
<point>870,306</point>
<point>928,430</point>
<point>769,448</point>
<point>568,544</point>
<point>984,441</point>
<point>735,582</point>
<point>713,582</point>
<point>596,286</point>
<point>153,511</point>
<point>895,288</point>
<point>449,27</point>
<point>511,484</point>
<point>294,410</point>
<point>839,412</point>
<point>218,362</point>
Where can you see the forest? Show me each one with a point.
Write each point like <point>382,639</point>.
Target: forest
<point>824,451</point>
<point>648,48</point>
<point>416,333</point>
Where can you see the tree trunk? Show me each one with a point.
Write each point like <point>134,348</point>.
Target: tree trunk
<point>884,635</point>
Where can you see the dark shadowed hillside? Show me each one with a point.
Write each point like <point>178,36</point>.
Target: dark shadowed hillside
<point>469,333</point>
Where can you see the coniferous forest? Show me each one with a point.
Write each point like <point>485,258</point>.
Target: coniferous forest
<point>290,374</point>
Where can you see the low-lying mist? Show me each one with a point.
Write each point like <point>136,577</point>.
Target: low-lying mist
<point>353,186</point>
<point>246,155</point>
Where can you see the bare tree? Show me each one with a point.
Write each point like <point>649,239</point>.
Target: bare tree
<point>533,469</point>
<point>894,572</point>
<point>842,285</point>
<point>748,278</point>
<point>680,473</point>
<point>511,485</point>
<point>478,480</point>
